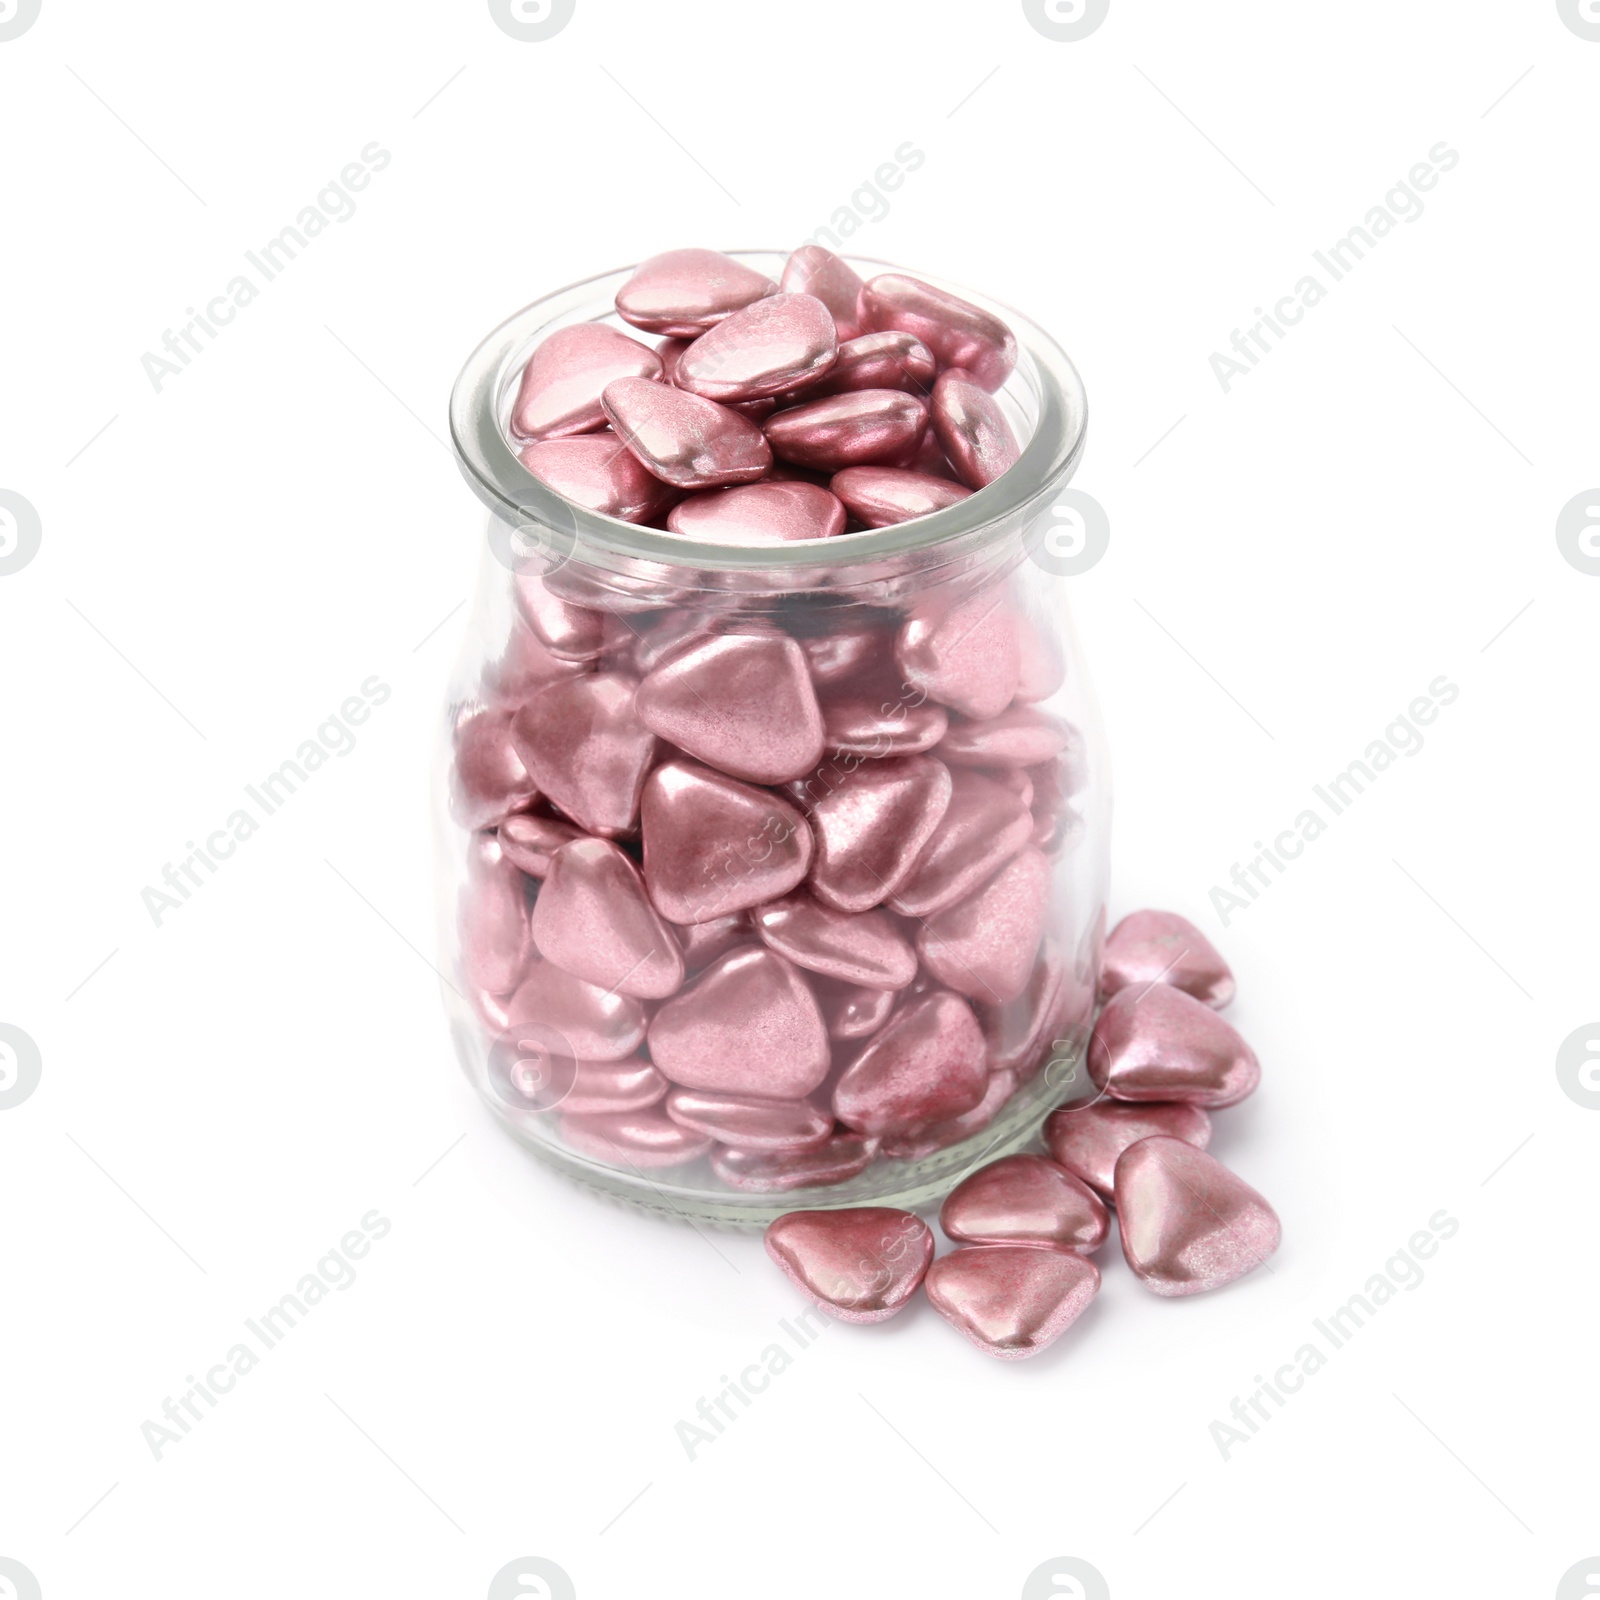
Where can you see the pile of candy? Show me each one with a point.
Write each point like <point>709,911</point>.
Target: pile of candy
<point>769,411</point>
<point>772,885</point>
<point>1026,1225</point>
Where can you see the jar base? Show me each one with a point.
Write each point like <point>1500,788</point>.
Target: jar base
<point>686,1194</point>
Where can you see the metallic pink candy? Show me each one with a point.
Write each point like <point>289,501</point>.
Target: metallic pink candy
<point>561,384</point>
<point>758,513</point>
<point>775,344</point>
<point>871,819</point>
<point>1011,1301</point>
<point>959,333</point>
<point>1162,1044</point>
<point>713,845</point>
<point>965,655</point>
<point>683,439</point>
<point>863,426</point>
<point>863,1265</point>
<point>1026,1199</point>
<point>972,429</point>
<point>883,496</point>
<point>868,950</point>
<point>813,270</point>
<point>594,920</point>
<point>584,746</point>
<point>1087,1140</point>
<point>682,293</point>
<point>748,1025</point>
<point>1188,1224</point>
<point>925,1066</point>
<point>598,472</point>
<point>742,703</point>
<point>1161,947</point>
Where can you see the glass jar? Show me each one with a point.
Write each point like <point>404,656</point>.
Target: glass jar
<point>959,814</point>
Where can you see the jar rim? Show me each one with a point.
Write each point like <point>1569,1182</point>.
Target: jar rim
<point>490,465</point>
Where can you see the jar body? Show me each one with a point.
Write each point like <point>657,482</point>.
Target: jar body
<point>770,886</point>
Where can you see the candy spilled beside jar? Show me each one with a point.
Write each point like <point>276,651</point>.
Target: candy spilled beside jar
<point>774,804</point>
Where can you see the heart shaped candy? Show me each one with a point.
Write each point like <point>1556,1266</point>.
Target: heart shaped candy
<point>1158,1043</point>
<point>1026,1199</point>
<point>584,746</point>
<point>862,1264</point>
<point>1161,947</point>
<point>1087,1140</point>
<point>594,920</point>
<point>748,1025</point>
<point>741,702</point>
<point>713,845</point>
<point>681,293</point>
<point>1188,1224</point>
<point>1011,1301</point>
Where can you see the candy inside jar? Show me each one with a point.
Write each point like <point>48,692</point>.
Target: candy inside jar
<point>775,828</point>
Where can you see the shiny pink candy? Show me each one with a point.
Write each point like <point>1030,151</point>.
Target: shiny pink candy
<point>682,293</point>
<point>925,1066</point>
<point>684,439</point>
<point>584,746</point>
<point>593,1023</point>
<point>1087,1140</point>
<point>561,384</point>
<point>1011,1301</point>
<point>488,779</point>
<point>748,1025</point>
<point>959,333</point>
<point>1161,947</point>
<point>887,360</point>
<point>984,946</point>
<point>965,655</point>
<point>713,845</point>
<point>529,841</point>
<point>813,270</point>
<point>881,724</point>
<point>642,1140</point>
<point>972,429</point>
<point>848,430</point>
<point>871,821</point>
<point>1188,1224</point>
<point>602,1087</point>
<point>594,920</point>
<point>743,703</point>
<point>758,513</point>
<point>1025,1199</point>
<point>941,1135</point>
<point>844,1156</point>
<point>862,1264</point>
<point>1159,1043</point>
<point>883,496</point>
<point>1020,737</point>
<point>983,827</point>
<point>569,632</point>
<point>775,344</point>
<point>496,942</point>
<point>867,949</point>
<point>853,1011</point>
<point>750,1123</point>
<point>599,472</point>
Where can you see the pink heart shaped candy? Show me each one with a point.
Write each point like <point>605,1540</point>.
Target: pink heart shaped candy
<point>1011,1301</point>
<point>1026,1199</point>
<point>863,1264</point>
<point>1188,1224</point>
<point>748,1025</point>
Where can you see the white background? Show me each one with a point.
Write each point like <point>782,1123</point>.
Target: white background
<point>225,561</point>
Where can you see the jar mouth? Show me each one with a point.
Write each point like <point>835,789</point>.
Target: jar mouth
<point>1045,387</point>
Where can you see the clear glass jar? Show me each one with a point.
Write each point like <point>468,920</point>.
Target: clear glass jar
<point>957,620</point>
